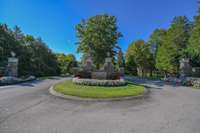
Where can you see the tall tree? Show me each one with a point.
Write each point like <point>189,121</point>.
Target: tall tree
<point>194,41</point>
<point>97,36</point>
<point>178,34</point>
<point>131,67</point>
<point>7,44</point>
<point>173,45</point>
<point>66,62</point>
<point>35,58</point>
<point>42,60</point>
<point>165,61</point>
<point>17,33</point>
<point>139,51</point>
<point>156,40</point>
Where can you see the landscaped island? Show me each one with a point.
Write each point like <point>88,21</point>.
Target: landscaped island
<point>108,82</point>
<point>69,88</point>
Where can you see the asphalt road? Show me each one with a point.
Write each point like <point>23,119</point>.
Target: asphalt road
<point>29,108</point>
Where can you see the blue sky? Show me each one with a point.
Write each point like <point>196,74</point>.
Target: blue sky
<point>54,20</point>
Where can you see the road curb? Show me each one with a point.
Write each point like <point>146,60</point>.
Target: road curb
<point>68,97</point>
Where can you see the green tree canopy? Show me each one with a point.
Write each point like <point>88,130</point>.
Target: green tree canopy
<point>97,36</point>
<point>194,41</point>
<point>173,45</point>
<point>139,53</point>
<point>7,44</point>
<point>178,34</point>
<point>35,58</point>
<point>66,62</point>
<point>156,40</point>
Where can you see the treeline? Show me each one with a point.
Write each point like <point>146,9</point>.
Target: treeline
<point>162,53</point>
<point>98,37</point>
<point>35,58</point>
<point>66,63</point>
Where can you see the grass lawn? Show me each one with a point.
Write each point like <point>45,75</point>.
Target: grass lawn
<point>68,88</point>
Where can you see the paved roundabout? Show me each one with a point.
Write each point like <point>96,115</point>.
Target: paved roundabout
<point>29,108</point>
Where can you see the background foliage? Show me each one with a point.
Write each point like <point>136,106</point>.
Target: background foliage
<point>35,58</point>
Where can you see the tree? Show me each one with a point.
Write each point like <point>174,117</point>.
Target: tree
<point>17,33</point>
<point>43,61</point>
<point>156,40</point>
<point>178,35</point>
<point>139,52</point>
<point>66,62</point>
<point>131,67</point>
<point>120,59</point>
<point>7,44</point>
<point>193,48</point>
<point>97,36</point>
<point>165,61</point>
<point>35,58</point>
<point>173,46</point>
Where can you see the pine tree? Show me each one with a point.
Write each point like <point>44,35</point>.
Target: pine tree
<point>173,45</point>
<point>194,41</point>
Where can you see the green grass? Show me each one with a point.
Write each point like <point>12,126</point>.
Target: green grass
<point>68,88</point>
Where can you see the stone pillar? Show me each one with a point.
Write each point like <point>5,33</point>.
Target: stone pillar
<point>109,67</point>
<point>12,68</point>
<point>122,71</point>
<point>185,67</point>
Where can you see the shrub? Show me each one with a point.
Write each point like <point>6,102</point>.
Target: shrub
<point>95,82</point>
<point>196,84</point>
<point>187,82</point>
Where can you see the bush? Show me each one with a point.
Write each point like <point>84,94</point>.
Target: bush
<point>187,82</point>
<point>196,84</point>
<point>95,82</point>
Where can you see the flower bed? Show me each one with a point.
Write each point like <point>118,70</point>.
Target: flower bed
<point>95,82</point>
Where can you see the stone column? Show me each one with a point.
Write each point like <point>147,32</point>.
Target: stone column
<point>12,68</point>
<point>185,68</point>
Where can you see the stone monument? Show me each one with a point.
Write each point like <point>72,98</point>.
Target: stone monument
<point>107,72</point>
<point>88,66</point>
<point>12,67</point>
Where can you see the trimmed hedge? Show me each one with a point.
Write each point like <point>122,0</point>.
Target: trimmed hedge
<point>95,82</point>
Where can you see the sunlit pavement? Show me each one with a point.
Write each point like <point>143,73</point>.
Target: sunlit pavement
<point>29,108</point>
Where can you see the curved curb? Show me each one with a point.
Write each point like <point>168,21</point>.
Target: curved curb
<point>68,97</point>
